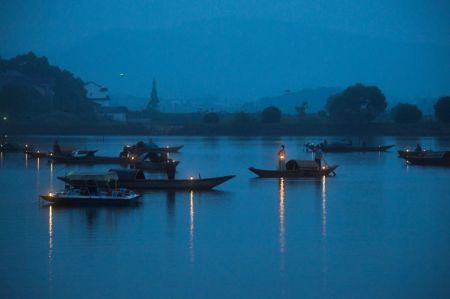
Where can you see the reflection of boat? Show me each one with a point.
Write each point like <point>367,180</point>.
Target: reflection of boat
<point>431,159</point>
<point>297,169</point>
<point>348,148</point>
<point>150,147</point>
<point>93,189</point>
<point>135,179</point>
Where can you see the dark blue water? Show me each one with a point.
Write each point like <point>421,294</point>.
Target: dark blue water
<point>378,229</point>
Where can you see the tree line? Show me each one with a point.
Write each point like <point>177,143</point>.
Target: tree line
<point>31,86</point>
<point>357,104</point>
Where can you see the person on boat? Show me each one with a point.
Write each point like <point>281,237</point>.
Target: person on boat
<point>171,169</point>
<point>318,155</point>
<point>418,148</point>
<point>281,158</point>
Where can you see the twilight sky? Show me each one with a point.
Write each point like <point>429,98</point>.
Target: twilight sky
<point>59,29</point>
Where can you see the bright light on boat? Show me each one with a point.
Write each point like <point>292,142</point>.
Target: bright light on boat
<point>38,151</point>
<point>51,154</point>
<point>191,178</point>
<point>26,145</point>
<point>324,167</point>
<point>50,194</point>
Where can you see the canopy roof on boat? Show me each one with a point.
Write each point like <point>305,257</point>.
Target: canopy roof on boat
<point>102,177</point>
<point>129,174</point>
<point>301,164</point>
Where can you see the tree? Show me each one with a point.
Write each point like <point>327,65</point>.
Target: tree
<point>65,91</point>
<point>211,118</point>
<point>271,115</point>
<point>154,100</point>
<point>356,104</point>
<point>442,109</point>
<point>406,114</point>
<point>243,118</point>
<point>301,110</point>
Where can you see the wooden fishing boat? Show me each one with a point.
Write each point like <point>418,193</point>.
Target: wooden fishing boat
<point>136,180</point>
<point>38,154</point>
<point>140,148</point>
<point>153,165</point>
<point>347,148</point>
<point>411,153</point>
<point>93,189</point>
<point>134,162</point>
<point>87,159</point>
<point>297,169</point>
<point>431,159</point>
<point>7,147</point>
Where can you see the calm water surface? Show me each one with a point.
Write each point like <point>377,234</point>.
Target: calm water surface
<point>378,229</point>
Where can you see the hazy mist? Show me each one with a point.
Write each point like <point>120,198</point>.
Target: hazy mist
<point>238,50</point>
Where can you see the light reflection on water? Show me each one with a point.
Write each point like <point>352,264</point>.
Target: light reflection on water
<point>308,237</point>
<point>282,230</point>
<point>324,207</point>
<point>191,226</point>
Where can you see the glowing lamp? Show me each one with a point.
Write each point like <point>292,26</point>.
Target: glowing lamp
<point>50,194</point>
<point>191,178</point>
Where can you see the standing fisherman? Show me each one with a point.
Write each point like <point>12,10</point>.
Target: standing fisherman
<point>281,158</point>
<point>318,155</point>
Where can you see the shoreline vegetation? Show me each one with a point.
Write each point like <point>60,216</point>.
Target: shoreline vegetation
<point>37,98</point>
<point>255,129</point>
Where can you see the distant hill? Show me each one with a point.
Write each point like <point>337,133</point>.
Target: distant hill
<point>247,59</point>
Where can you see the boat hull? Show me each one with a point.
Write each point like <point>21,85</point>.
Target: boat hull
<point>145,184</point>
<point>36,155</point>
<point>427,161</point>
<point>293,173</point>
<point>152,166</point>
<point>351,148</point>
<point>89,200</point>
<point>89,160</point>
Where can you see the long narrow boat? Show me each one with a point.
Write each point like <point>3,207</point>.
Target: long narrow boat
<point>405,154</point>
<point>135,180</point>
<point>38,154</point>
<point>7,147</point>
<point>88,159</point>
<point>348,148</point>
<point>431,159</point>
<point>92,159</point>
<point>297,169</point>
<point>140,148</point>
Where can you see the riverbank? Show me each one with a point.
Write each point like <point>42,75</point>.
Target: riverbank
<point>249,129</point>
